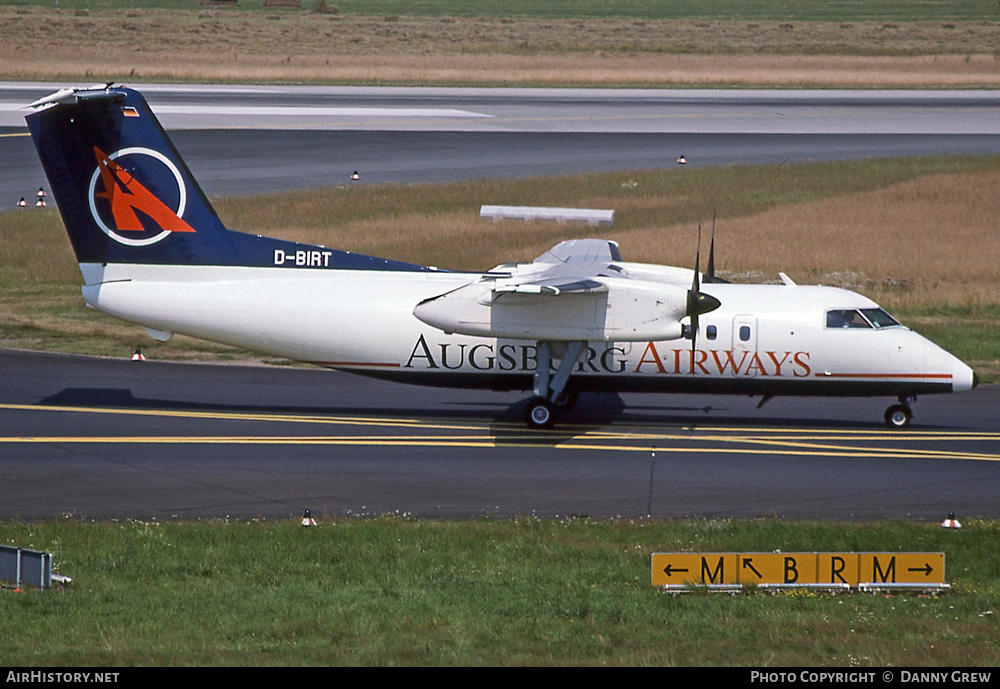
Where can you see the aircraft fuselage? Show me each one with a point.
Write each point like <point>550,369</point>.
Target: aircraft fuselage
<point>765,339</point>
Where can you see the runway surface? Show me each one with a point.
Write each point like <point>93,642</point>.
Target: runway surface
<point>101,438</point>
<point>240,139</point>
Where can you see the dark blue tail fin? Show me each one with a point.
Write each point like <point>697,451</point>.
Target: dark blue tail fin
<point>126,196</point>
<point>121,187</point>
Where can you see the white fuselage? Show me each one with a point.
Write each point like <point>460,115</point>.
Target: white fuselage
<point>765,339</point>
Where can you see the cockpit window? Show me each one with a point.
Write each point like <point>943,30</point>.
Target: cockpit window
<point>879,318</point>
<point>846,318</point>
<point>859,318</point>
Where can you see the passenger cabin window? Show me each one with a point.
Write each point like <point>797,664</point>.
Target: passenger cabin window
<point>711,332</point>
<point>860,318</point>
<point>744,333</point>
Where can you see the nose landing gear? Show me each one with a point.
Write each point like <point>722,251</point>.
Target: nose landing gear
<point>899,415</point>
<point>539,413</point>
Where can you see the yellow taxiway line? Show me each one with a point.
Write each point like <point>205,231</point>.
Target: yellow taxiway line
<point>632,438</point>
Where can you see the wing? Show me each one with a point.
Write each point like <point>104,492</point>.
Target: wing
<point>581,252</point>
<point>573,267</point>
<point>553,287</point>
<point>570,267</point>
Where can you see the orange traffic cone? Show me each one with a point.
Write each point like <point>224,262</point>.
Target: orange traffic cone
<point>951,522</point>
<point>22,203</point>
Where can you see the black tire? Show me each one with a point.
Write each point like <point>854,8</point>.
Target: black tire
<point>539,414</point>
<point>898,416</point>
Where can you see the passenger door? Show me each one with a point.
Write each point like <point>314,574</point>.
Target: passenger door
<point>744,345</point>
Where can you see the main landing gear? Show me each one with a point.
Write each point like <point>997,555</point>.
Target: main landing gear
<point>899,415</point>
<point>550,391</point>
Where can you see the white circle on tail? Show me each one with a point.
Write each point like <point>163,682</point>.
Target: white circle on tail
<point>113,232</point>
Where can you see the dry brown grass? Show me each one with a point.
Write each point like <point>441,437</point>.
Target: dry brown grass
<point>308,47</point>
<point>930,240</point>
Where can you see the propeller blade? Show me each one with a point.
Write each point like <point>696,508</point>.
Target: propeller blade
<point>693,295</point>
<point>698,302</point>
<point>695,284</point>
<point>710,268</point>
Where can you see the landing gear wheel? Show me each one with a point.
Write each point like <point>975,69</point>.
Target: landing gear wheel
<point>898,416</point>
<point>539,413</point>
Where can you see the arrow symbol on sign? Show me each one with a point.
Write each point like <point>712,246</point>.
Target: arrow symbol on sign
<point>748,563</point>
<point>926,569</point>
<point>670,569</point>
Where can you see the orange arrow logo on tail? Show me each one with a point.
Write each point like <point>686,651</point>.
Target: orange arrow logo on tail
<point>127,195</point>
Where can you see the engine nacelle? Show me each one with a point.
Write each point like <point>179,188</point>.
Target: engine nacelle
<point>626,311</point>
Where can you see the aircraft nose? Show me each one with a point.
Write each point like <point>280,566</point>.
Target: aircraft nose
<point>963,378</point>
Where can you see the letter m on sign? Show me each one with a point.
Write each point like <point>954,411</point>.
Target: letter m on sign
<point>888,575</point>
<point>713,576</point>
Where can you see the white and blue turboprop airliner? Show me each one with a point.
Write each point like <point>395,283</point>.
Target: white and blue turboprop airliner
<point>578,318</point>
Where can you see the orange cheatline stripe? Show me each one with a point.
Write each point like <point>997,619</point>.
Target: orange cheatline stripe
<point>354,363</point>
<point>947,376</point>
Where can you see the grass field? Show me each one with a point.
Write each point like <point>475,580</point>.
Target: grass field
<point>807,10</point>
<point>652,44</point>
<point>397,591</point>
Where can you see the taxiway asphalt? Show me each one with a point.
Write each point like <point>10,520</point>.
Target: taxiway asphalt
<point>102,438</point>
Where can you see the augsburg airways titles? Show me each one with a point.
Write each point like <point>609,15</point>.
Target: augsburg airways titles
<point>511,356</point>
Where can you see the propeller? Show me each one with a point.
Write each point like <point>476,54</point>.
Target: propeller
<point>710,276</point>
<point>698,302</point>
<point>710,268</point>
